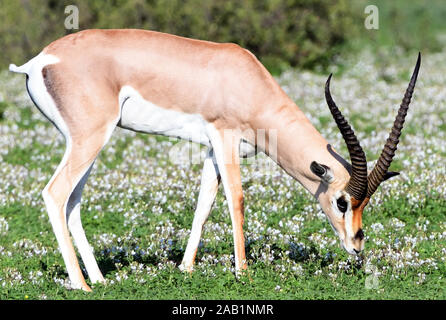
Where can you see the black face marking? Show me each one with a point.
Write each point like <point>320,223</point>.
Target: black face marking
<point>359,235</point>
<point>342,204</point>
<point>341,160</point>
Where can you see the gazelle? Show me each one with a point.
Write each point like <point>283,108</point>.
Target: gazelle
<point>89,82</point>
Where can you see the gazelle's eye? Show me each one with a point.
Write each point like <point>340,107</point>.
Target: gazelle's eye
<point>342,204</point>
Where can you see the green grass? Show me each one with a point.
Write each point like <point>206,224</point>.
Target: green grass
<point>262,279</point>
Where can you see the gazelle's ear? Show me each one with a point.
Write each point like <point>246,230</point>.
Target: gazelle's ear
<point>322,171</point>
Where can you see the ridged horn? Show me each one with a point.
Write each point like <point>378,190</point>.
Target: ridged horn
<point>381,168</point>
<point>357,185</point>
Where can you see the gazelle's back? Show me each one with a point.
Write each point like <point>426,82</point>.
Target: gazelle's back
<point>182,74</point>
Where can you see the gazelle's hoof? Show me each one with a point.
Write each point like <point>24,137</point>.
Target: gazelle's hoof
<point>186,268</point>
<point>83,285</point>
<point>86,288</point>
<point>98,280</point>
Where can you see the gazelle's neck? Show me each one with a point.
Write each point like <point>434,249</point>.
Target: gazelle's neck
<point>293,142</point>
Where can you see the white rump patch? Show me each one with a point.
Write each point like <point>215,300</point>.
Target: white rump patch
<point>38,91</point>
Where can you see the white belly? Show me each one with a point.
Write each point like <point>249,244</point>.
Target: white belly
<point>141,115</point>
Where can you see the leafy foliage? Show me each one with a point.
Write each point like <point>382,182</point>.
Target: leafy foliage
<point>280,33</point>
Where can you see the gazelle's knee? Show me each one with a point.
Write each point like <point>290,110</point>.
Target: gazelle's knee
<point>49,201</point>
<point>53,208</point>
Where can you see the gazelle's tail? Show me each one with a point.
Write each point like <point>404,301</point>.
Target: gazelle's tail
<point>22,69</point>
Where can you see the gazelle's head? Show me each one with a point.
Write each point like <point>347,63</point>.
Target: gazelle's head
<point>344,202</point>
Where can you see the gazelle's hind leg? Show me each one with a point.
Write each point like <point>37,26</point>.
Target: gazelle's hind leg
<point>62,196</point>
<point>73,213</point>
<point>210,179</point>
<point>55,208</point>
<point>86,118</point>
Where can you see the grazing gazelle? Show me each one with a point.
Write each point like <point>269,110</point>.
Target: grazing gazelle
<point>88,83</point>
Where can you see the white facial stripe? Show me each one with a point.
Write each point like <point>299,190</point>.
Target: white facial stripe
<point>348,216</point>
<point>349,223</point>
<point>334,202</point>
<point>141,115</point>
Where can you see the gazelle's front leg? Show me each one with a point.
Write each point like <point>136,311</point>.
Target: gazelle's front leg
<point>210,179</point>
<point>226,145</point>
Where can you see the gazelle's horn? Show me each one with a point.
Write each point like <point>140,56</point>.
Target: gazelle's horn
<point>380,171</point>
<point>357,185</point>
